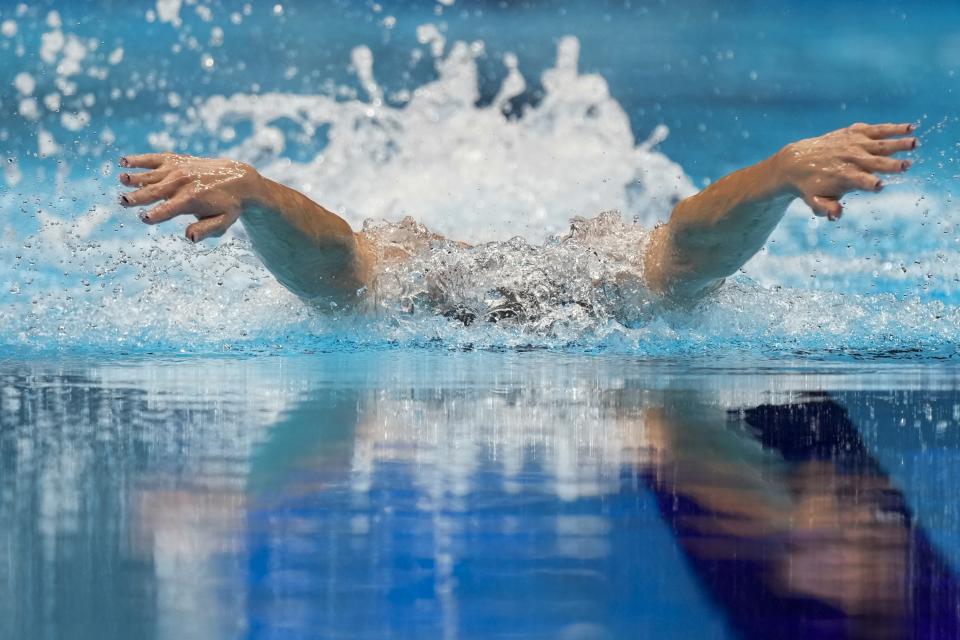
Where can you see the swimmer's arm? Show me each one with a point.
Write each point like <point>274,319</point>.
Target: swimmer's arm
<point>715,232</point>
<point>310,250</point>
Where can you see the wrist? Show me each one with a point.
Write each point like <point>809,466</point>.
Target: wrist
<point>782,174</point>
<point>258,193</point>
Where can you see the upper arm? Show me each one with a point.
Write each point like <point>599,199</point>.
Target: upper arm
<point>672,269</point>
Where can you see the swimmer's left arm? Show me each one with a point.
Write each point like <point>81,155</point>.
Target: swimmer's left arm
<point>715,232</point>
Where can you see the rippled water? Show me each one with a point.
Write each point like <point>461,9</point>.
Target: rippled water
<point>476,495</point>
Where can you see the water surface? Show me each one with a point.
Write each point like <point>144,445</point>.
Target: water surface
<point>476,495</point>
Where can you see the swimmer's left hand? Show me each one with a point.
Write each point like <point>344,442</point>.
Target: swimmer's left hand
<point>821,170</point>
<point>713,233</point>
<point>213,190</point>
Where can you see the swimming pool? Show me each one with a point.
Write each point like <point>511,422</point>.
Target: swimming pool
<point>186,450</point>
<point>408,494</point>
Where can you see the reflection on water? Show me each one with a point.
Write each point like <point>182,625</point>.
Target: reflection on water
<point>803,536</point>
<point>475,495</point>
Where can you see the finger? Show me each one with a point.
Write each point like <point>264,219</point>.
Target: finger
<point>151,193</point>
<point>889,147</point>
<point>143,179</point>
<point>829,207</point>
<point>864,181</point>
<point>169,209</point>
<point>880,164</point>
<point>878,131</point>
<point>145,161</point>
<point>212,227</point>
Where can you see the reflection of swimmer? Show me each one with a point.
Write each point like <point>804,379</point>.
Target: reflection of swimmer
<point>315,254</point>
<point>786,520</point>
<point>804,538</point>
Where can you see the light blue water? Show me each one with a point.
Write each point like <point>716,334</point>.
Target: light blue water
<point>731,85</point>
<point>186,450</point>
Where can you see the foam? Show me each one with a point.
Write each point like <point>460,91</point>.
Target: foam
<point>66,59</point>
<point>473,173</point>
<point>169,11</point>
<point>28,109</point>
<point>24,83</point>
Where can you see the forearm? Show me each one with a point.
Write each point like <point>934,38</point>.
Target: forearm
<point>721,469</point>
<point>310,250</point>
<point>713,233</point>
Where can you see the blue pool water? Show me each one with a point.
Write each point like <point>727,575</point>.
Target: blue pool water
<point>187,450</point>
<point>409,494</point>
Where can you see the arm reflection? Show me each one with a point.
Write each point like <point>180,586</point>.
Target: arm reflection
<point>792,526</point>
<point>785,518</point>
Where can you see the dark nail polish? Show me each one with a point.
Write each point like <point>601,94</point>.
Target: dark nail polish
<point>124,178</point>
<point>144,217</point>
<point>124,199</point>
<point>879,185</point>
<point>905,165</point>
<point>914,145</point>
<point>911,128</point>
<point>124,162</point>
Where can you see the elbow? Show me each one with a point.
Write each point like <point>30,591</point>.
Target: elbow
<point>680,273</point>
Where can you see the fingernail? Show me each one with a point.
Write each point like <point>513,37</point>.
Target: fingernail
<point>192,237</point>
<point>124,178</point>
<point>124,162</point>
<point>914,145</point>
<point>144,217</point>
<point>124,199</point>
<point>911,128</point>
<point>879,186</point>
<point>906,164</point>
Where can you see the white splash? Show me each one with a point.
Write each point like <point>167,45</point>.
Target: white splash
<point>468,172</point>
<point>24,83</point>
<point>169,11</point>
<point>475,172</point>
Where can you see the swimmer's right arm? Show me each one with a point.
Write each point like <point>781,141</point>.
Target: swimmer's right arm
<point>310,250</point>
<point>715,232</point>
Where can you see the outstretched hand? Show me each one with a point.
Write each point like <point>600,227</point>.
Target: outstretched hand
<point>821,170</point>
<point>213,190</point>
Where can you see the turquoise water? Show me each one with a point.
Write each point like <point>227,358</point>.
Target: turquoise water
<point>188,451</point>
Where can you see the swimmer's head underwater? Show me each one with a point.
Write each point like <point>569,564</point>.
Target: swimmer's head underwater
<point>709,236</point>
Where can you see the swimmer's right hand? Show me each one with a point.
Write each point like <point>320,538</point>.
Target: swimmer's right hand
<point>214,190</point>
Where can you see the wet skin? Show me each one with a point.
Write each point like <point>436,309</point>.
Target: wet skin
<point>314,253</point>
